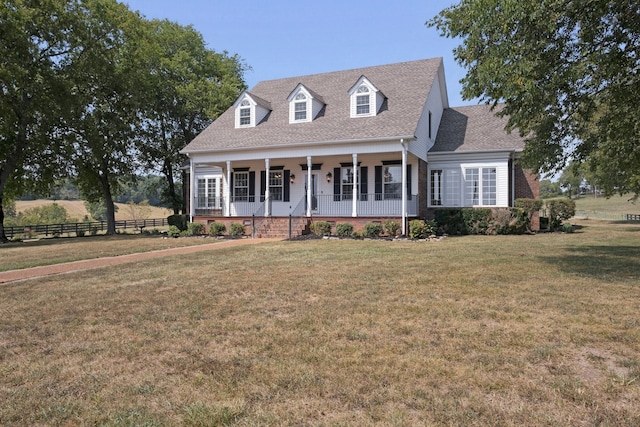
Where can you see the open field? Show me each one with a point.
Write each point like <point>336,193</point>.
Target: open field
<point>615,204</point>
<point>77,210</point>
<point>502,331</point>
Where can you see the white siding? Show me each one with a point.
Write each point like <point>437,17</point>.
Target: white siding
<point>435,104</point>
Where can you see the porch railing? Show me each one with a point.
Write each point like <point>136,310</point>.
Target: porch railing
<point>323,205</point>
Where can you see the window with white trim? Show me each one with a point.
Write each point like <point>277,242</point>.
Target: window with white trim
<point>241,186</point>
<point>392,182</point>
<point>489,186</point>
<point>446,187</point>
<point>245,113</point>
<point>436,187</point>
<point>363,100</point>
<point>300,107</point>
<point>208,196</point>
<point>480,186</point>
<point>276,184</point>
<point>471,187</point>
<point>346,182</point>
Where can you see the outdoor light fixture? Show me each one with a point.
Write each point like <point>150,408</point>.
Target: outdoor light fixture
<point>292,178</point>
<point>329,176</point>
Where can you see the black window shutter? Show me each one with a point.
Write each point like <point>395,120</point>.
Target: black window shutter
<point>378,182</point>
<point>231,186</point>
<point>285,196</point>
<point>263,184</point>
<point>336,184</point>
<point>364,184</point>
<point>252,186</point>
<point>408,182</point>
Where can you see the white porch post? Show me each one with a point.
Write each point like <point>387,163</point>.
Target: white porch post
<point>404,187</point>
<point>354,200</point>
<point>192,182</point>
<point>309,186</point>
<point>267,193</point>
<point>227,191</point>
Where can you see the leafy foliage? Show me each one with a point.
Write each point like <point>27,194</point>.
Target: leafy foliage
<point>179,221</point>
<point>217,229</point>
<point>530,207</point>
<point>568,73</point>
<point>559,210</point>
<point>236,229</point>
<point>321,228</point>
<point>344,229</point>
<point>195,229</point>
<point>372,229</point>
<point>391,227</point>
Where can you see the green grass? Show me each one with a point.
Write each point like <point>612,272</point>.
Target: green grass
<point>615,204</point>
<point>503,331</point>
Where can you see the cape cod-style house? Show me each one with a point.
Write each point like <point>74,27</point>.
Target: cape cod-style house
<point>358,146</point>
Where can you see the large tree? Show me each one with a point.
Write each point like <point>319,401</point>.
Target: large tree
<point>188,87</point>
<point>36,38</point>
<point>106,100</point>
<point>567,72</point>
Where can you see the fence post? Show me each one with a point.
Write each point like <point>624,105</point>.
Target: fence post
<point>289,226</point>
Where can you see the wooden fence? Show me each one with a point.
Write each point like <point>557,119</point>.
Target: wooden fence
<point>81,228</point>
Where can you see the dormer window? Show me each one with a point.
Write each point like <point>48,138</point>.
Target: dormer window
<point>245,113</point>
<point>304,104</point>
<point>300,107</point>
<point>366,99</point>
<point>250,110</point>
<point>363,100</point>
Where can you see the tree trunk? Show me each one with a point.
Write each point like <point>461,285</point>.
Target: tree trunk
<point>108,202</point>
<point>3,236</point>
<point>174,199</point>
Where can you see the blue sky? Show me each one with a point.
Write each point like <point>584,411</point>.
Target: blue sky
<point>285,38</point>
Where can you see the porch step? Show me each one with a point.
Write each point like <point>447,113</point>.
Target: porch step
<point>278,227</point>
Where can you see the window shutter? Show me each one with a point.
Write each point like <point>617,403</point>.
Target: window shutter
<point>337,177</point>
<point>252,186</point>
<point>378,182</point>
<point>364,185</point>
<point>408,182</point>
<point>285,195</point>
<point>263,184</point>
<point>233,177</point>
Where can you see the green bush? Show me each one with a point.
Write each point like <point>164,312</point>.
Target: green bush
<point>476,220</point>
<point>508,221</point>
<point>391,227</point>
<point>417,229</point>
<point>217,229</point>
<point>481,221</point>
<point>173,231</point>
<point>559,210</point>
<point>372,230</point>
<point>530,207</point>
<point>321,228</point>
<point>344,230</point>
<point>179,221</point>
<point>236,229</point>
<point>195,229</point>
<point>450,221</point>
<point>567,228</point>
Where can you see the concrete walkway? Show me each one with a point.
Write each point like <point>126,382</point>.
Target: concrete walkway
<point>89,264</point>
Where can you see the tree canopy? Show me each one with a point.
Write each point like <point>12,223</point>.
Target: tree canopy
<point>565,73</point>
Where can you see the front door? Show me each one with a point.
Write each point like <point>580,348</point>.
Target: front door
<point>314,191</point>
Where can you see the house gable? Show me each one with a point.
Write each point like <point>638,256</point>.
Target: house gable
<point>304,104</point>
<point>250,110</point>
<point>365,100</point>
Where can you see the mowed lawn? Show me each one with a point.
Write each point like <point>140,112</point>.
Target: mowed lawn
<point>537,330</point>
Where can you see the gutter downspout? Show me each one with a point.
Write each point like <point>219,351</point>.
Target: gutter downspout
<point>192,181</point>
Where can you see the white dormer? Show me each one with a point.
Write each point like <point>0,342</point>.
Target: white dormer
<point>366,99</point>
<point>304,104</point>
<point>250,110</point>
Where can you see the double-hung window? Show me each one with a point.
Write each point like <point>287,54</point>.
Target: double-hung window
<point>207,193</point>
<point>346,182</point>
<point>300,107</point>
<point>436,187</point>
<point>489,186</point>
<point>363,100</point>
<point>276,184</point>
<point>245,113</point>
<point>241,186</point>
<point>392,182</point>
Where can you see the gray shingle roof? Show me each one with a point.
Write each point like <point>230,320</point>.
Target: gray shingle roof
<point>474,128</point>
<point>406,86</point>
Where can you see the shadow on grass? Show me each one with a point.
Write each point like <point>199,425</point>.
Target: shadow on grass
<point>602,262</point>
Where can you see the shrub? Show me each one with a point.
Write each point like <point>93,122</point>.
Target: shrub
<point>530,207</point>
<point>217,229</point>
<point>344,230</point>
<point>450,221</point>
<point>195,229</point>
<point>80,233</point>
<point>476,220</point>
<point>417,229</point>
<point>391,227</point>
<point>558,210</point>
<point>372,230</point>
<point>508,221</point>
<point>173,231</point>
<point>321,228</point>
<point>236,229</point>
<point>179,221</point>
<point>567,228</point>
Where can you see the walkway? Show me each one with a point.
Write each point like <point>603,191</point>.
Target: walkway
<point>89,264</point>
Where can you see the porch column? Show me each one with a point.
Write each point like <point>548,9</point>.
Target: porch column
<point>267,193</point>
<point>404,187</point>
<point>354,199</point>
<point>227,191</point>
<point>309,185</point>
<point>192,182</point>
